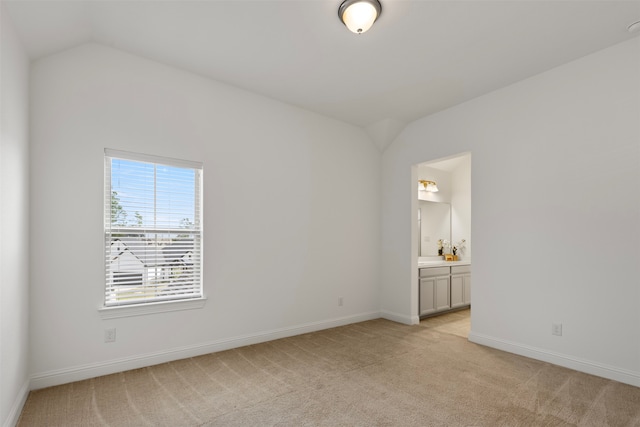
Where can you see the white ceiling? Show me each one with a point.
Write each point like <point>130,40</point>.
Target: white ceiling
<point>419,58</point>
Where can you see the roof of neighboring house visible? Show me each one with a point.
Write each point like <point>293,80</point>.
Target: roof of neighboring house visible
<point>150,254</point>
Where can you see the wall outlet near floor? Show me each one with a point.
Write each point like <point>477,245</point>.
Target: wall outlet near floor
<point>340,301</point>
<point>556,329</point>
<point>110,335</point>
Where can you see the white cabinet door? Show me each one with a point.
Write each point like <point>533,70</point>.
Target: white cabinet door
<point>457,291</point>
<point>427,295</point>
<point>443,295</point>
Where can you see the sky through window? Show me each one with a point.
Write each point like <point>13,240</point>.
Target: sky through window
<point>151,195</point>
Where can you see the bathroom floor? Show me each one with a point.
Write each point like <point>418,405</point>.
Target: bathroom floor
<point>456,323</point>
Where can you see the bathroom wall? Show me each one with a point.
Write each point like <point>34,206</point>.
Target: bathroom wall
<point>454,187</point>
<point>442,179</point>
<point>461,206</point>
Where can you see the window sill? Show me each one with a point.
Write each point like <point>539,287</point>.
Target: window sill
<point>150,308</point>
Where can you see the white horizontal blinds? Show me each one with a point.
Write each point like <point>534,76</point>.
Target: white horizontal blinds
<point>153,232</point>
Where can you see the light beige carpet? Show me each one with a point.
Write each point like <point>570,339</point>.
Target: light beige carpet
<point>375,373</point>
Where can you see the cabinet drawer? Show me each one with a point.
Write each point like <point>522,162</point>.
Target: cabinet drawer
<point>460,269</point>
<point>434,271</point>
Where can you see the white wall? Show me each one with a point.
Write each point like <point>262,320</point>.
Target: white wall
<point>461,206</point>
<point>555,212</point>
<point>14,224</point>
<point>316,237</point>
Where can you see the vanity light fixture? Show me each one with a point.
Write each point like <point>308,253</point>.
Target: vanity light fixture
<point>429,186</point>
<point>359,15</point>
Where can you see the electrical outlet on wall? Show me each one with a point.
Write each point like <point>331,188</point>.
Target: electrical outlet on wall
<point>340,301</point>
<point>110,335</point>
<point>556,329</point>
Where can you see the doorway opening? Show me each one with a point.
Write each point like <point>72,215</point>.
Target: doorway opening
<point>441,236</point>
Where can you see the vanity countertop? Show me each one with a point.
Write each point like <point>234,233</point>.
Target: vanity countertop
<point>427,264</point>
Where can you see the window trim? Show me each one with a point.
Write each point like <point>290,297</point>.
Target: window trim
<point>148,158</point>
<point>149,307</point>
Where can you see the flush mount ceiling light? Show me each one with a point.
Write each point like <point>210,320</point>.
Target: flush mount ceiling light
<point>634,27</point>
<point>359,15</point>
<point>429,186</point>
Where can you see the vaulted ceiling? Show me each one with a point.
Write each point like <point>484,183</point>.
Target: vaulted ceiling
<point>420,57</point>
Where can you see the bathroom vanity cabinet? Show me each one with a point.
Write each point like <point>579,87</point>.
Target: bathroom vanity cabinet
<point>435,290</point>
<point>460,286</point>
<point>444,289</point>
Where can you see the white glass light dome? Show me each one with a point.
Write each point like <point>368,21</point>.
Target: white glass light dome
<point>359,15</point>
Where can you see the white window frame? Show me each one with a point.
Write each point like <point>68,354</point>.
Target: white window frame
<point>194,296</point>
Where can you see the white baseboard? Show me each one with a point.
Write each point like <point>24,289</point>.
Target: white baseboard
<point>586,366</point>
<point>16,408</point>
<point>83,372</point>
<point>399,318</point>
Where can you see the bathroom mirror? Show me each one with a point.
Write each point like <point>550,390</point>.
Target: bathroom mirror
<point>434,223</point>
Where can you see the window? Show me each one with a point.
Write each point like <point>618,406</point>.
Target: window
<point>152,229</point>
